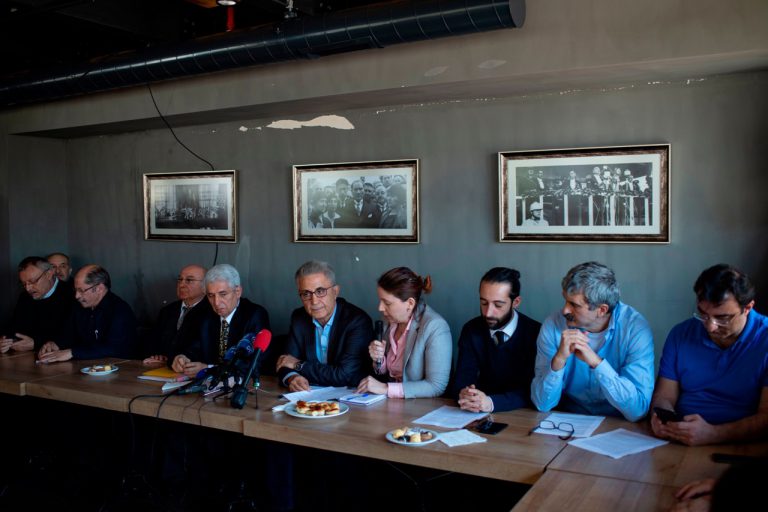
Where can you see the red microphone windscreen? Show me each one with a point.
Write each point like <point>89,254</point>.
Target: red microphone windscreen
<point>262,340</point>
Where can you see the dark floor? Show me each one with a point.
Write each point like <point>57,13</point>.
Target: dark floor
<point>63,457</point>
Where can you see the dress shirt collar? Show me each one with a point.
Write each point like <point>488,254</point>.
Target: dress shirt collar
<point>229,317</point>
<point>508,329</point>
<point>53,288</point>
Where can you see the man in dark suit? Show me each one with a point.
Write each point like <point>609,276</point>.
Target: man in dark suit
<point>180,316</point>
<point>43,308</point>
<point>104,325</point>
<point>329,337</point>
<point>361,211</point>
<point>497,350</point>
<point>230,318</point>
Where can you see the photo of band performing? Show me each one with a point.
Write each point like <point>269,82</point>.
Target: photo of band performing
<point>584,195</point>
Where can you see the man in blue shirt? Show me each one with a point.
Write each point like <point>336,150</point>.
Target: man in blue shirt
<point>595,356</point>
<point>714,368</point>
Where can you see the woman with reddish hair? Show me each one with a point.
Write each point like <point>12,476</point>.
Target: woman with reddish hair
<point>413,360</point>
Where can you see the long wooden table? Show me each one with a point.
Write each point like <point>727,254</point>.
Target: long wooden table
<point>563,476</point>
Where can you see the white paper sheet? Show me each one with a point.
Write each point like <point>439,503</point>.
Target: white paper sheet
<point>460,437</point>
<point>450,417</point>
<point>317,394</point>
<point>583,425</point>
<point>618,443</point>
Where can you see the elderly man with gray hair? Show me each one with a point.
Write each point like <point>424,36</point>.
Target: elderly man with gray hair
<point>231,317</point>
<point>595,356</point>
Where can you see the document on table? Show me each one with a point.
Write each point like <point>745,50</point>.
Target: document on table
<point>460,438</point>
<point>583,425</point>
<point>314,394</point>
<point>618,443</point>
<point>450,417</point>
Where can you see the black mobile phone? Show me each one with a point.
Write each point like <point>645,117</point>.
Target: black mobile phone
<point>490,427</point>
<point>665,415</point>
<point>12,337</point>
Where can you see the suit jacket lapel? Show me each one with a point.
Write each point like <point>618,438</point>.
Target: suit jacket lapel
<point>413,332</point>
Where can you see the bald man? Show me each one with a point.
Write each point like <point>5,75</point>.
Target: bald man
<point>103,325</point>
<point>179,316</point>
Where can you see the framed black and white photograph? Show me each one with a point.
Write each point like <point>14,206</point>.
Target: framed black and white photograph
<point>191,207</point>
<point>373,202</point>
<point>604,194</point>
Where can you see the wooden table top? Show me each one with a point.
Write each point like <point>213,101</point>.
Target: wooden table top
<point>671,465</point>
<point>511,455</point>
<point>18,371</point>
<point>557,490</point>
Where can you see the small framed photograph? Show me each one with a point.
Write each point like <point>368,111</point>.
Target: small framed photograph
<point>604,194</point>
<point>361,202</point>
<point>191,207</point>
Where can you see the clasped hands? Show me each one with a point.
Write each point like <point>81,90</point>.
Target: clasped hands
<point>22,344</point>
<point>574,342</point>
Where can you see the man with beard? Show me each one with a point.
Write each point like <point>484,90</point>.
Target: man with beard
<point>497,349</point>
<point>595,356</point>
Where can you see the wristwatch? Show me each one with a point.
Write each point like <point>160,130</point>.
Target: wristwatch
<point>298,366</point>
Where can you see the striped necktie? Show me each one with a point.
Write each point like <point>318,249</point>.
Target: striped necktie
<point>184,310</point>
<point>223,337</point>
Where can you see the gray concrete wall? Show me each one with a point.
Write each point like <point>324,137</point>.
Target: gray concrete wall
<point>715,126</point>
<point>592,73</point>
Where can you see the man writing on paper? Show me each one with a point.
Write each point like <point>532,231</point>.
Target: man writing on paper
<point>328,339</point>
<point>229,319</point>
<point>103,327</point>
<point>497,349</point>
<point>42,310</point>
<point>714,368</point>
<point>595,356</point>
<point>179,316</point>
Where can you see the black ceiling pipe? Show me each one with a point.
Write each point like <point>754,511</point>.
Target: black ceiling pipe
<point>373,26</point>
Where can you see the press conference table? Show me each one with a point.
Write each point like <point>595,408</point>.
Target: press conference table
<point>561,474</point>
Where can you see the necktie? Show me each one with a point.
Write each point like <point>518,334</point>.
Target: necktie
<point>184,309</point>
<point>498,338</point>
<point>223,336</point>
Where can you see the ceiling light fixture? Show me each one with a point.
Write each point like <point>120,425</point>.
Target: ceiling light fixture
<point>227,3</point>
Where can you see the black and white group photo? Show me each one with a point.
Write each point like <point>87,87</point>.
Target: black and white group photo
<point>584,195</point>
<point>193,206</point>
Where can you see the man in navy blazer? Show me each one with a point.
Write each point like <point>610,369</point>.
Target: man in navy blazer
<point>230,318</point>
<point>329,337</point>
<point>497,350</point>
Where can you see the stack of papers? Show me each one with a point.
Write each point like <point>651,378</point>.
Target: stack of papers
<point>583,425</point>
<point>163,374</point>
<point>618,443</point>
<point>450,417</point>
<point>362,398</point>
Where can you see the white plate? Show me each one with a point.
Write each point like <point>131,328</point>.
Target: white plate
<point>435,436</point>
<point>87,370</point>
<point>290,410</point>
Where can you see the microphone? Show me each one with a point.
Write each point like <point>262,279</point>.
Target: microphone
<point>378,328</point>
<point>243,348</point>
<point>240,391</point>
<point>202,379</point>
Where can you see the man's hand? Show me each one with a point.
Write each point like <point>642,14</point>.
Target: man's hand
<point>48,346</point>
<point>372,385</point>
<point>56,356</point>
<point>576,342</point>
<point>286,360</point>
<point>474,400</point>
<point>182,364</point>
<point>695,489</point>
<point>692,431</point>
<point>155,359</point>
<point>24,344</point>
<point>5,345</point>
<point>659,429</point>
<point>298,383</point>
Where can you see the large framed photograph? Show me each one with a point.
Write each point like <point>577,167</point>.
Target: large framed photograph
<point>191,207</point>
<point>368,202</point>
<point>604,194</point>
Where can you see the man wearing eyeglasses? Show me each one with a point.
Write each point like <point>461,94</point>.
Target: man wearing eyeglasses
<point>104,325</point>
<point>230,317</point>
<point>179,316</point>
<point>714,369</point>
<point>42,310</point>
<point>595,355</point>
<point>328,340</point>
